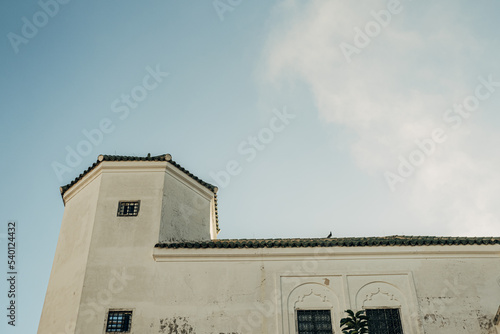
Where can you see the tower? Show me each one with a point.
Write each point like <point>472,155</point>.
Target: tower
<point>115,212</point>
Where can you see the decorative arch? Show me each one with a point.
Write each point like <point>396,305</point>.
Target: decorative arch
<point>380,294</point>
<point>312,296</point>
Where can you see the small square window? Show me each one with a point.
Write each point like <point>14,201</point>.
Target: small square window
<point>119,321</point>
<point>128,208</point>
<point>384,321</point>
<point>314,321</point>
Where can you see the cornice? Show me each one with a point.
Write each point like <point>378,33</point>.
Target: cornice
<point>189,181</point>
<point>325,253</point>
<point>112,167</point>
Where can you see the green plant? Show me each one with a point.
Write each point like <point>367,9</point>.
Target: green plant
<point>354,323</point>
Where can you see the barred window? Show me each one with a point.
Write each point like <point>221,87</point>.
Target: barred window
<point>130,208</point>
<point>384,321</point>
<point>119,321</point>
<point>314,321</point>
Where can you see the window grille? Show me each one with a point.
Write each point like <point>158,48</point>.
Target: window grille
<point>119,321</point>
<point>314,321</point>
<point>128,208</point>
<point>384,321</point>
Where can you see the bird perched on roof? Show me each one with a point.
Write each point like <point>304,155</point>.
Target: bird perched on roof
<point>329,235</point>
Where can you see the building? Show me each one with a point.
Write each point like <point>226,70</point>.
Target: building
<point>138,253</point>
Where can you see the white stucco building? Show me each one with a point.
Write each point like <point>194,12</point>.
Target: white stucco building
<point>138,253</point>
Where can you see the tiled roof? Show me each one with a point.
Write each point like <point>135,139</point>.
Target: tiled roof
<point>163,157</point>
<point>395,240</point>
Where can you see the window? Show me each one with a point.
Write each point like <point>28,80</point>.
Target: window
<point>128,208</point>
<point>496,319</point>
<point>384,321</point>
<point>119,321</point>
<point>314,322</point>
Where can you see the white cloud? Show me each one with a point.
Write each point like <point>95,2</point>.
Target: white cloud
<point>394,92</point>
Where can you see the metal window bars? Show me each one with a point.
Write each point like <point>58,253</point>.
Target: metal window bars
<point>119,321</point>
<point>314,322</point>
<point>384,321</point>
<point>130,208</point>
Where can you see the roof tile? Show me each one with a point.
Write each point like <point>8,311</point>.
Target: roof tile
<point>395,240</point>
<point>163,157</point>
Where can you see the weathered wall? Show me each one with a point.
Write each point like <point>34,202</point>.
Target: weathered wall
<point>258,290</point>
<point>459,296</point>
<point>68,270</point>
<point>99,254</point>
<point>452,293</point>
<point>185,212</point>
<point>120,244</point>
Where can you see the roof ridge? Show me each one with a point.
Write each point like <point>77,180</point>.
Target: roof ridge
<point>162,157</point>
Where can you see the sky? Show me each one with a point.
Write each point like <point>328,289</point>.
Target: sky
<point>367,118</point>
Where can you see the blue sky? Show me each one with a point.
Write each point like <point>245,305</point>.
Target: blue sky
<point>389,114</point>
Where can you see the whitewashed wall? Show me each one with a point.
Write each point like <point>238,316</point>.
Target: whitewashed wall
<point>107,262</point>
